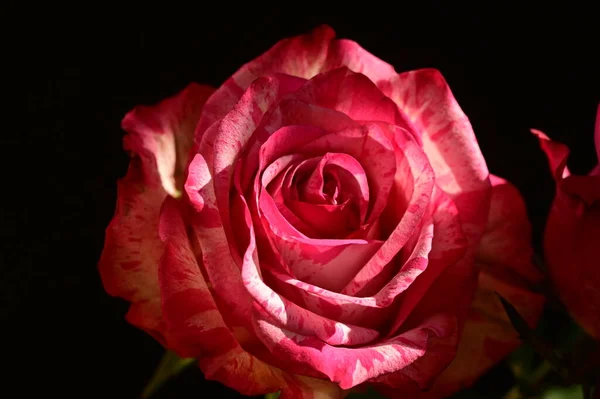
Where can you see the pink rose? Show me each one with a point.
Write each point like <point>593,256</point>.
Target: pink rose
<point>572,235</point>
<point>318,223</point>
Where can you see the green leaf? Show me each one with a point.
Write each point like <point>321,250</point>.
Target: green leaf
<point>273,395</point>
<point>169,366</point>
<point>573,392</point>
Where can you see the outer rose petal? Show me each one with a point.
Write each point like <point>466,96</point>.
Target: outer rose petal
<point>505,256</point>
<point>198,329</point>
<point>166,131</point>
<point>132,249</point>
<point>572,238</point>
<point>159,137</point>
<point>300,56</point>
<point>448,141</point>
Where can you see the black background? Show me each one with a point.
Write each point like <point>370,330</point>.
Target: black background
<point>75,81</point>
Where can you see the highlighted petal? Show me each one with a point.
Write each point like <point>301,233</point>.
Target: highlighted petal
<point>209,185</point>
<point>349,367</point>
<point>166,132</point>
<point>195,322</point>
<point>159,138</point>
<point>132,248</point>
<point>300,56</point>
<point>448,141</point>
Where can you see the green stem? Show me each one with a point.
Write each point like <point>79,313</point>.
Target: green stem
<point>169,366</point>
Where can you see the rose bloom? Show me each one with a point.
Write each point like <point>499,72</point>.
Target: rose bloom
<point>320,223</point>
<point>572,235</point>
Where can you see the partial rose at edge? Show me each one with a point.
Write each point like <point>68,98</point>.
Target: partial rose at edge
<point>572,234</point>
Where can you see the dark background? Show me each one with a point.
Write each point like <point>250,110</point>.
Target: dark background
<point>76,80</point>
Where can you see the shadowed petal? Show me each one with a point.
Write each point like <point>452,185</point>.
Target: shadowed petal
<point>505,258</point>
<point>159,138</point>
<point>571,237</point>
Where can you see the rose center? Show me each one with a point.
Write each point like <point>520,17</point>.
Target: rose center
<point>331,189</point>
<point>322,197</point>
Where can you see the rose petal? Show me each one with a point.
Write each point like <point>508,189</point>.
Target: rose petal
<point>217,257</point>
<point>449,274</point>
<point>369,311</point>
<point>344,52</point>
<point>225,141</point>
<point>571,237</point>
<point>441,350</point>
<point>159,137</point>
<point>327,220</point>
<point>327,262</point>
<point>372,149</point>
<point>348,308</point>
<point>586,188</point>
<point>317,92</point>
<point>191,315</point>
<point>315,265</point>
<point>132,249</point>
<point>291,111</point>
<point>557,154</point>
<point>419,375</point>
<point>507,238</point>
<point>505,256</point>
<point>571,247</point>
<point>209,185</point>
<point>324,215</point>
<point>166,131</point>
<point>506,262</point>
<point>349,367</point>
<point>448,141</point>
<point>195,322</point>
<point>349,177</point>
<point>294,317</point>
<point>418,202</point>
<point>300,56</point>
<point>426,101</point>
<point>352,94</point>
<point>288,112</point>
<point>278,178</point>
<point>449,246</point>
